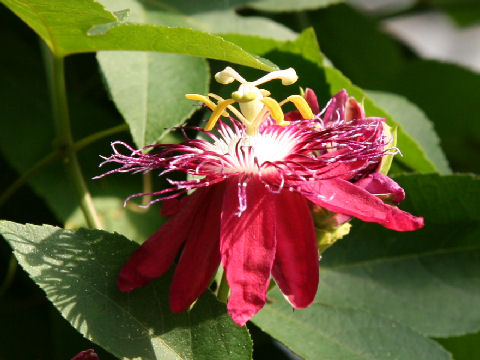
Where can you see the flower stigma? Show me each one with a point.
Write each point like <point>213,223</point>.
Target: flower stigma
<point>255,104</point>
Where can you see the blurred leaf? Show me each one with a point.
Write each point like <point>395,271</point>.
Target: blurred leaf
<point>446,93</point>
<point>305,56</point>
<point>392,286</point>
<point>215,16</point>
<point>28,118</point>
<point>463,12</point>
<point>78,269</point>
<point>414,122</point>
<point>358,48</point>
<point>64,28</point>
<point>449,96</point>
<point>465,347</point>
<point>288,5</point>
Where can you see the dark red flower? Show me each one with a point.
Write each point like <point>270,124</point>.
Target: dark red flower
<point>255,182</point>
<point>86,355</point>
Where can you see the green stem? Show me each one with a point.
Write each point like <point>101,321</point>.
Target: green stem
<point>223,288</point>
<point>56,79</point>
<point>80,144</point>
<point>48,159</point>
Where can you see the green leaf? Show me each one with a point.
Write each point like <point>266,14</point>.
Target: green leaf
<point>424,283</point>
<point>305,56</point>
<point>78,270</point>
<point>415,123</point>
<point>465,347</point>
<point>64,26</point>
<point>367,63</point>
<point>451,107</point>
<point>207,16</point>
<point>287,5</point>
<point>150,95</point>
<point>412,277</point>
<point>334,332</point>
<point>463,12</point>
<point>445,92</point>
<point>29,118</point>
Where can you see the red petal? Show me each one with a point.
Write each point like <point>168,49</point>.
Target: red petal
<point>380,184</point>
<point>344,197</point>
<point>293,116</point>
<point>296,260</point>
<point>312,101</point>
<point>247,246</point>
<point>201,255</point>
<point>171,206</point>
<point>353,110</point>
<point>336,109</point>
<point>155,256</point>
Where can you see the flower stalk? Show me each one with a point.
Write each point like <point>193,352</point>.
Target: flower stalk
<point>58,95</point>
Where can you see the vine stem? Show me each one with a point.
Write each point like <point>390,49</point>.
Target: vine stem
<point>54,155</point>
<point>58,94</point>
<point>223,288</point>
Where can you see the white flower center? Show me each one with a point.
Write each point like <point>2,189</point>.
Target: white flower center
<point>245,154</point>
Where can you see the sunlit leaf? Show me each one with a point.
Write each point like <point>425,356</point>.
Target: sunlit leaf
<point>287,5</point>
<point>148,89</point>
<point>64,27</point>
<point>78,270</point>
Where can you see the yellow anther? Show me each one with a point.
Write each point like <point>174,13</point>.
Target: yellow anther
<point>275,111</point>
<point>221,106</point>
<point>302,106</point>
<point>210,104</point>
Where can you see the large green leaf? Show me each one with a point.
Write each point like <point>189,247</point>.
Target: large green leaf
<point>78,270</point>
<point>27,135</point>
<point>335,332</point>
<point>206,16</point>
<point>417,275</point>
<point>80,26</point>
<point>305,56</point>
<point>451,107</point>
<point>148,89</point>
<point>425,283</point>
<point>466,347</point>
<point>445,92</point>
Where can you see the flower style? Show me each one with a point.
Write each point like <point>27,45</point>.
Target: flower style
<point>256,177</point>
